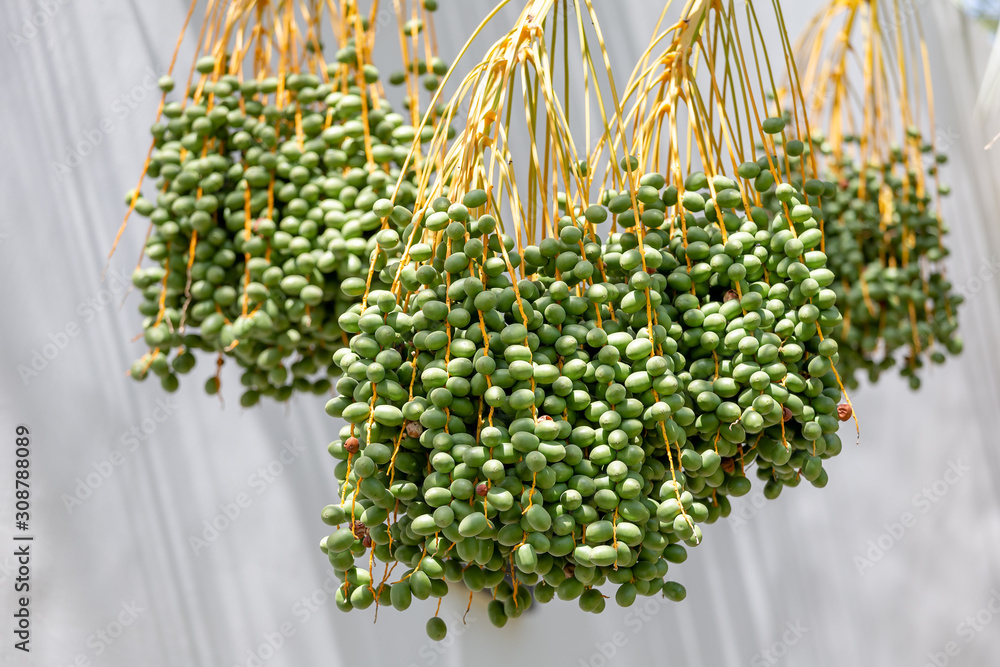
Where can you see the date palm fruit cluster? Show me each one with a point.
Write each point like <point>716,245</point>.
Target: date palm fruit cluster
<point>886,244</point>
<point>884,233</point>
<point>576,426</point>
<point>262,212</point>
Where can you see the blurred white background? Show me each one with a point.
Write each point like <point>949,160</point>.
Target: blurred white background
<point>816,578</point>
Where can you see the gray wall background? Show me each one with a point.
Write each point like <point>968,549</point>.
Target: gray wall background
<point>789,578</point>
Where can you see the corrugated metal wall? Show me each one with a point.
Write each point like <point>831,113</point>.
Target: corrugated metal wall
<point>124,477</point>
